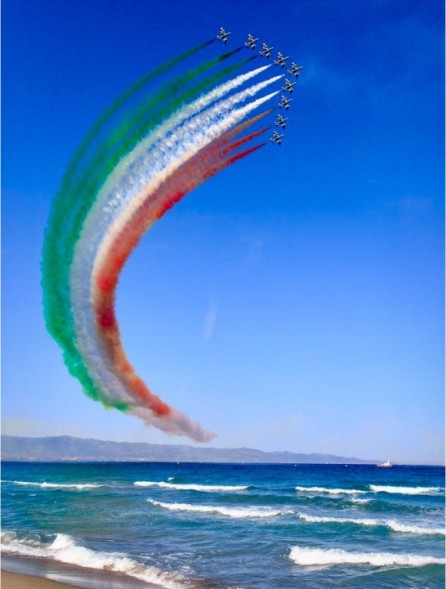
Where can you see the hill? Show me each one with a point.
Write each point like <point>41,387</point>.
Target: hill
<point>67,448</point>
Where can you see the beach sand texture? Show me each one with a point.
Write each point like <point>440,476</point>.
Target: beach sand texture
<point>18,581</point>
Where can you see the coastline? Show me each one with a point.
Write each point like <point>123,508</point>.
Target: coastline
<point>21,581</point>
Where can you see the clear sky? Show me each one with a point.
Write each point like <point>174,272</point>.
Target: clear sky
<point>293,302</point>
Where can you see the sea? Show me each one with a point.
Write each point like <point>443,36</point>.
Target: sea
<point>225,526</point>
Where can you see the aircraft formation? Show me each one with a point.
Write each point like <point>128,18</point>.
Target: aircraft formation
<point>280,61</point>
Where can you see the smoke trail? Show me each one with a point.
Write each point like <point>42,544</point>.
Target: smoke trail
<point>137,123</point>
<point>74,198</point>
<point>159,152</point>
<point>117,104</point>
<point>197,170</point>
<point>95,221</point>
<point>188,139</point>
<point>65,227</point>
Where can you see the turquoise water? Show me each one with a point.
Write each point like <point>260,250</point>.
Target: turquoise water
<point>227,526</point>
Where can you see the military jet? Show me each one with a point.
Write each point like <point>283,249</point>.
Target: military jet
<point>276,138</point>
<point>280,60</point>
<point>281,121</point>
<point>285,102</point>
<point>295,69</point>
<point>266,51</point>
<point>251,42</point>
<point>288,85</point>
<point>223,35</point>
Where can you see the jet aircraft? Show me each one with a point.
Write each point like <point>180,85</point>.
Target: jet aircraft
<point>285,102</point>
<point>281,121</point>
<point>223,35</point>
<point>266,51</point>
<point>295,69</point>
<point>280,60</point>
<point>276,138</point>
<point>288,85</point>
<point>251,42</point>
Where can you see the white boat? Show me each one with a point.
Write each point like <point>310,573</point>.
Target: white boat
<point>386,464</point>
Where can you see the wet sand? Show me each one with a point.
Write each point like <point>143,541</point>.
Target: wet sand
<point>19,581</point>
<point>24,573</point>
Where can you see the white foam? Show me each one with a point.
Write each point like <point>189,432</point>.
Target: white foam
<point>329,491</point>
<point>236,512</point>
<point>306,556</point>
<point>338,520</point>
<point>360,500</point>
<point>406,490</point>
<point>392,524</point>
<point>78,486</point>
<point>191,487</point>
<point>65,549</point>
<point>411,529</point>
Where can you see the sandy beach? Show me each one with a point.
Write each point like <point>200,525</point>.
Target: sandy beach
<point>19,581</point>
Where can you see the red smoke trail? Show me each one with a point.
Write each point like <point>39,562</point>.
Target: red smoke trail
<point>146,215</point>
<point>239,156</point>
<point>199,168</point>
<point>236,144</point>
<point>246,124</point>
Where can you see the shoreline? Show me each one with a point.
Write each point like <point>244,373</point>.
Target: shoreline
<point>28,572</point>
<point>11,580</point>
<point>24,572</point>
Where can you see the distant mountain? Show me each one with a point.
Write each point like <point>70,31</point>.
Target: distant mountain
<point>67,448</point>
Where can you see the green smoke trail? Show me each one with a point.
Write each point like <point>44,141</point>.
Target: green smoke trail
<point>116,105</point>
<point>167,91</point>
<point>55,286</point>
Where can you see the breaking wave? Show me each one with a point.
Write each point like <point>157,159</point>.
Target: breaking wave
<point>329,491</point>
<point>373,489</point>
<point>65,549</point>
<point>306,556</point>
<point>406,490</point>
<point>360,500</point>
<point>236,512</point>
<point>391,524</point>
<point>78,486</point>
<point>192,487</point>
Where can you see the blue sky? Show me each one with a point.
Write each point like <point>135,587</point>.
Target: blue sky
<point>293,302</point>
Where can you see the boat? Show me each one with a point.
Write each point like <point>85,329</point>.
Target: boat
<point>386,464</point>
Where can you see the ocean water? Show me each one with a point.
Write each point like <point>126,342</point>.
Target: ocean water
<point>224,526</point>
